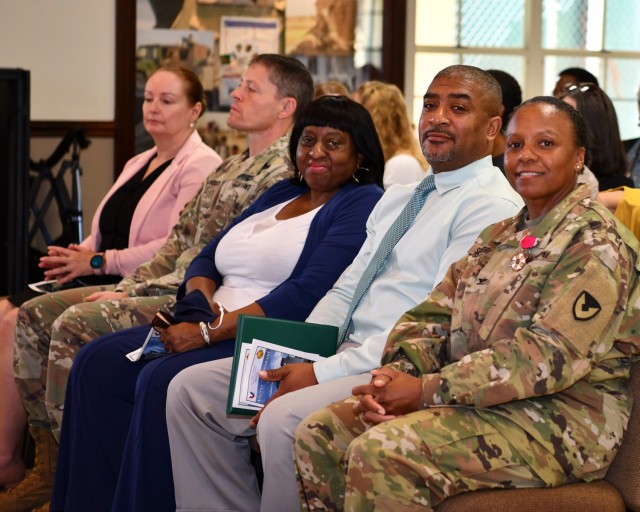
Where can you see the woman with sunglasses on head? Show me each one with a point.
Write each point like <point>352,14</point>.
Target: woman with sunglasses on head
<point>278,259</point>
<point>608,160</point>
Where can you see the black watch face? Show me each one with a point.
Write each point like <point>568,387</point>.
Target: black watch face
<point>96,261</point>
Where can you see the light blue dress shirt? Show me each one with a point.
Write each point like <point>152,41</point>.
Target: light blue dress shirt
<point>464,203</point>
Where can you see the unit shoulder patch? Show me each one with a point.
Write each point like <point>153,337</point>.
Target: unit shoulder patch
<point>586,307</point>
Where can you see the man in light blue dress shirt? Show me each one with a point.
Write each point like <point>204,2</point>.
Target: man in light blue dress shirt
<point>209,449</point>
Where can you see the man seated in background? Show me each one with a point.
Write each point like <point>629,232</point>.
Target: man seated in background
<point>511,98</point>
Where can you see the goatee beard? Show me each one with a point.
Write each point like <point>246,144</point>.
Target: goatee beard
<point>439,156</point>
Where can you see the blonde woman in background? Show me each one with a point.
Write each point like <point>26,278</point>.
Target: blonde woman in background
<point>404,162</point>
<point>330,88</point>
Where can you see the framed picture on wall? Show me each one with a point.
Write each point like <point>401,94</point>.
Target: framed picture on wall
<point>378,50</point>
<point>241,38</point>
<point>215,39</point>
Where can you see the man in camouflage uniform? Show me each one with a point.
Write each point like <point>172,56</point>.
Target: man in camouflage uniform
<point>503,377</point>
<point>52,328</point>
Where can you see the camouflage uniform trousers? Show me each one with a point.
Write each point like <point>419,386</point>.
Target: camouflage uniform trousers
<point>50,331</point>
<point>409,463</point>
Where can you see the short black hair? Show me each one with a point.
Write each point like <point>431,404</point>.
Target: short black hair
<point>487,85</point>
<point>580,133</point>
<point>511,93</point>
<point>346,115</point>
<point>580,74</point>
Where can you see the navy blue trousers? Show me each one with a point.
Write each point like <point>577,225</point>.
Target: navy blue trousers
<point>114,447</point>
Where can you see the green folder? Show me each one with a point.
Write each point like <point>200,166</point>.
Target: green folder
<point>316,338</point>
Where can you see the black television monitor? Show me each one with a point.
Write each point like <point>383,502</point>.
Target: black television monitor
<point>14,172</point>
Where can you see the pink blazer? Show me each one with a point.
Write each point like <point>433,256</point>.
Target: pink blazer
<point>159,208</point>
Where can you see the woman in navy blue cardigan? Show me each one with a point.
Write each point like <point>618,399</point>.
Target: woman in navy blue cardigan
<point>114,450</point>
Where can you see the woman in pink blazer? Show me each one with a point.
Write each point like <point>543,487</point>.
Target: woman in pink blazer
<point>130,225</point>
<point>159,208</point>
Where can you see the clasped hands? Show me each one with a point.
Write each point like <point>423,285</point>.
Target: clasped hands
<point>64,264</point>
<point>390,394</point>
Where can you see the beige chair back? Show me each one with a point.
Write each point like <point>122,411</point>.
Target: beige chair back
<point>624,472</point>
<point>622,482</point>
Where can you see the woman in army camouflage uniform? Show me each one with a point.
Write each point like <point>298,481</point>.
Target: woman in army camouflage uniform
<point>515,370</point>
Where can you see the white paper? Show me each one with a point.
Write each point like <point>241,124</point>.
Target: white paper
<point>44,286</point>
<point>135,355</point>
<point>250,391</point>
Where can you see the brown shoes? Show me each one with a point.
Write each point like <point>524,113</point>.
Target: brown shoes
<point>35,489</point>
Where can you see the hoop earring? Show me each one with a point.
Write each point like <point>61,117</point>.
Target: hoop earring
<point>363,169</point>
<point>300,178</point>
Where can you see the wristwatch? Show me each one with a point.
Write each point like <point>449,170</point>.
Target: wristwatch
<point>96,261</point>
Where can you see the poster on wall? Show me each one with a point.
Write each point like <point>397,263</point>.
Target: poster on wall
<point>215,39</point>
<point>186,48</point>
<point>240,39</point>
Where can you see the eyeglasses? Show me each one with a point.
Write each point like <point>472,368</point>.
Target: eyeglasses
<point>162,320</point>
<point>581,87</point>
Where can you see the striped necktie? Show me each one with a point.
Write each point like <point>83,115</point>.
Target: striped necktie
<point>390,239</point>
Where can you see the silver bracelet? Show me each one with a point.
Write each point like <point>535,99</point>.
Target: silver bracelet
<point>205,333</point>
<point>220,318</point>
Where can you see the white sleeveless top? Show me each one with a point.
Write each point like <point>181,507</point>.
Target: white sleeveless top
<point>258,254</point>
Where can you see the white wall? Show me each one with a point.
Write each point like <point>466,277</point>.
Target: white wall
<point>97,177</point>
<point>69,48</point>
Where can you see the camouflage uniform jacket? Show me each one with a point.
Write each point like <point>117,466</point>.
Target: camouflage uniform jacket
<point>543,353</point>
<point>233,186</point>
